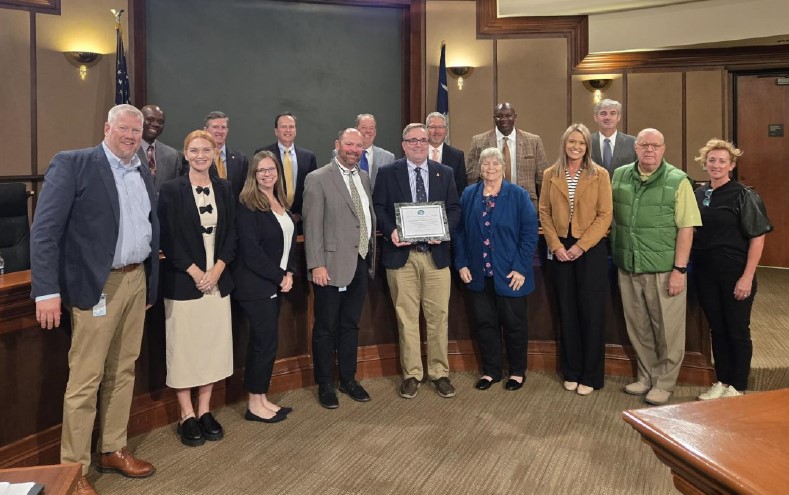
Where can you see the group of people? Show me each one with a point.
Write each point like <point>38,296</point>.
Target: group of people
<point>227,227</point>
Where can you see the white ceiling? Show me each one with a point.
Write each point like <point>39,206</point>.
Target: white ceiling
<point>510,8</point>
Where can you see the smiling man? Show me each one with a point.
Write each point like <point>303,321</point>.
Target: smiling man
<point>524,156</point>
<point>651,235</point>
<point>441,152</point>
<point>611,148</point>
<point>162,160</point>
<point>233,162</point>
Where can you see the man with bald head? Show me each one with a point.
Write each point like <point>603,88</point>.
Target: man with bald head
<point>372,157</point>
<point>162,160</point>
<point>339,244</point>
<point>524,156</point>
<point>651,235</point>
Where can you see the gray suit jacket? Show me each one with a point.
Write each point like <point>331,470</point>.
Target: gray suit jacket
<point>381,157</point>
<point>624,151</point>
<point>168,162</point>
<point>331,227</point>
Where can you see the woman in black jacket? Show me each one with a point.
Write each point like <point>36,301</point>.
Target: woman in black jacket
<point>263,268</point>
<point>198,239</point>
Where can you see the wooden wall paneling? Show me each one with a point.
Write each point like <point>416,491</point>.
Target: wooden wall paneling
<point>655,100</point>
<point>17,28</point>
<point>705,114</point>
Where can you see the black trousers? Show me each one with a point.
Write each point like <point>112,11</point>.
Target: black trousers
<point>580,287</point>
<point>492,313</point>
<point>730,319</point>
<point>336,327</point>
<point>263,316</point>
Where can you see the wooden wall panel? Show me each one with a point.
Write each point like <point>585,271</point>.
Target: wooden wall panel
<point>532,75</point>
<point>705,117</point>
<point>15,91</point>
<point>654,100</point>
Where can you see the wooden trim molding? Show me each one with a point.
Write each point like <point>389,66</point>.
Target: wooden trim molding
<point>40,6</point>
<point>576,30</point>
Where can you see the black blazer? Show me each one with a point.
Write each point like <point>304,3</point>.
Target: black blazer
<point>256,270</point>
<point>182,238</point>
<point>454,159</point>
<point>391,186</point>
<point>306,162</point>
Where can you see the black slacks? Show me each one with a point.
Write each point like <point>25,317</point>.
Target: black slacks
<point>336,327</point>
<point>580,287</point>
<point>730,319</point>
<point>492,313</point>
<point>263,316</point>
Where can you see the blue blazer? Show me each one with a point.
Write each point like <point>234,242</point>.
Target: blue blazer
<point>256,270</point>
<point>513,235</point>
<point>75,230</point>
<point>391,186</point>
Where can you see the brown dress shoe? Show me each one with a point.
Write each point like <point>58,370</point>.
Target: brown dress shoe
<point>84,487</point>
<point>122,462</point>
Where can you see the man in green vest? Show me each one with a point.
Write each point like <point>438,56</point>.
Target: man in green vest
<point>654,215</point>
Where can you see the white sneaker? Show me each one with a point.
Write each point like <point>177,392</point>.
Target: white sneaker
<point>731,392</point>
<point>716,391</point>
<point>570,386</point>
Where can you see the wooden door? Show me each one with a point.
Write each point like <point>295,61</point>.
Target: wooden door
<point>762,105</point>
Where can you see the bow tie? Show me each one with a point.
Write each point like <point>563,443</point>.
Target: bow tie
<point>207,230</point>
<point>203,209</point>
<point>204,190</point>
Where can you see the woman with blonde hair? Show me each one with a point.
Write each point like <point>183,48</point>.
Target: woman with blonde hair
<point>575,212</point>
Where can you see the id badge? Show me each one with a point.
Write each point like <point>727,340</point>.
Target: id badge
<point>100,309</point>
<point>342,289</point>
<point>550,255</point>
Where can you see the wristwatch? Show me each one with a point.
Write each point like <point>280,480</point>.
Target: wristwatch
<point>680,269</point>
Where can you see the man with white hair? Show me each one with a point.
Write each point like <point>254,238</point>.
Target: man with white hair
<point>611,148</point>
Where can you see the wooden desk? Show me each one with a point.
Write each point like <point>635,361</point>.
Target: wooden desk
<point>60,479</point>
<point>734,445</point>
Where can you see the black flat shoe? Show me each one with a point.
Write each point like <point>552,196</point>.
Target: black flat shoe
<point>485,383</point>
<point>514,385</point>
<point>190,432</point>
<point>355,391</point>
<point>249,416</point>
<point>328,397</point>
<point>212,430</point>
<point>284,410</point>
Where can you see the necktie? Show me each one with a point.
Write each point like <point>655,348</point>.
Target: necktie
<point>421,194</point>
<point>220,165</point>
<point>607,154</point>
<point>505,150</point>
<point>287,169</point>
<point>151,160</point>
<point>435,155</point>
<point>364,237</point>
<point>363,163</point>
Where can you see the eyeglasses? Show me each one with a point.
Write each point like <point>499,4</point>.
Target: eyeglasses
<point>649,146</point>
<point>707,197</point>
<point>267,171</point>
<point>415,141</point>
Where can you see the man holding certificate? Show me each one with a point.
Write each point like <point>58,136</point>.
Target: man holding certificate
<point>416,255</point>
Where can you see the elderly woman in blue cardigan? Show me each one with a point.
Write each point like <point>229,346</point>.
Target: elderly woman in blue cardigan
<point>494,245</point>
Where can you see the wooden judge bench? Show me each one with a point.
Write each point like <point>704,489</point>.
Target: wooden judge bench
<point>34,367</point>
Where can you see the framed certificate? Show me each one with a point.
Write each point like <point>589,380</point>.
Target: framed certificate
<point>422,222</point>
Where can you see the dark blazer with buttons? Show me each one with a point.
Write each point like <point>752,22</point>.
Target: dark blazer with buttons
<point>182,237</point>
<point>168,162</point>
<point>306,163</point>
<point>256,271</point>
<point>75,229</point>
<point>624,151</point>
<point>454,159</point>
<point>391,186</point>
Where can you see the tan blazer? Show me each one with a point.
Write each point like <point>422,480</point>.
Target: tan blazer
<point>331,227</point>
<point>530,159</point>
<point>592,211</point>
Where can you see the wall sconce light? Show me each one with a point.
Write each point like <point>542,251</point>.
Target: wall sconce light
<point>459,73</point>
<point>597,86</point>
<point>82,60</point>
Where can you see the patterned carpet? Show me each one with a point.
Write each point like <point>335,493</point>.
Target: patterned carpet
<point>541,439</point>
<point>770,331</point>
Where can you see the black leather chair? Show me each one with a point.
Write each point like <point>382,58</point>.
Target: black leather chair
<point>14,227</point>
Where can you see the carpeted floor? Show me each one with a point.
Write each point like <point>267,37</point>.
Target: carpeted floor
<point>541,439</point>
<point>770,331</point>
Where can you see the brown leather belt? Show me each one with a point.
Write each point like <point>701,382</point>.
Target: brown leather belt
<point>127,268</point>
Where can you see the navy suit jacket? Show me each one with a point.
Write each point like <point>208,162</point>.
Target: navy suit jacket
<point>182,236</point>
<point>256,271</point>
<point>306,162</point>
<point>391,186</point>
<point>454,159</point>
<point>75,230</point>
<point>513,235</point>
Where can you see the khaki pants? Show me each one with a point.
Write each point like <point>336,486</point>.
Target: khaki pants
<point>655,326</point>
<point>417,283</point>
<point>103,352</point>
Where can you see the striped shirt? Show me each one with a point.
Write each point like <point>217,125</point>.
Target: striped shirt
<point>572,182</point>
